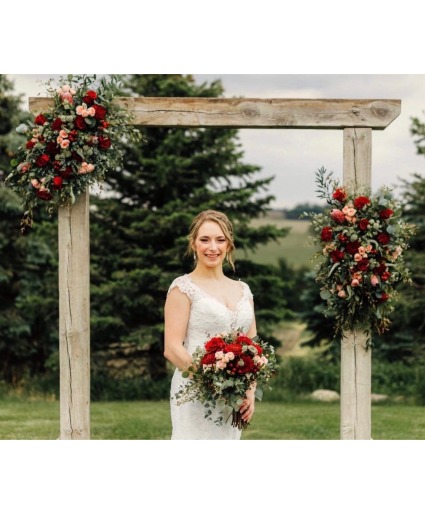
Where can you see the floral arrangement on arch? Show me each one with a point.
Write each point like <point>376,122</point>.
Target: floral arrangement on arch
<point>71,145</point>
<point>222,371</point>
<point>363,240</point>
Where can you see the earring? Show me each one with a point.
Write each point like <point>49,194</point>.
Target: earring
<point>194,256</point>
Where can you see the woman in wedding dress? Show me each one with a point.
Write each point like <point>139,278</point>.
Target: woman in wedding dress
<point>198,306</point>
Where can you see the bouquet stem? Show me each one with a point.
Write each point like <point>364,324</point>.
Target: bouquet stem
<point>238,421</point>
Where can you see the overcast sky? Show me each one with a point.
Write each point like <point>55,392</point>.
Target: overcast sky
<point>292,156</point>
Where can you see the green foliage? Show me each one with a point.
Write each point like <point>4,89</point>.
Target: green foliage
<point>11,116</point>
<point>138,243</point>
<point>138,234</point>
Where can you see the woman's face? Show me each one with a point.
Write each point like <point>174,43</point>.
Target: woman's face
<point>210,245</point>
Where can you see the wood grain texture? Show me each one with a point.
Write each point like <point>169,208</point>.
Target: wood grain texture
<point>74,319</point>
<point>253,112</point>
<point>356,357</point>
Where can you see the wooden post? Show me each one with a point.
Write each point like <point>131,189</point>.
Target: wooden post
<point>74,319</point>
<point>356,358</point>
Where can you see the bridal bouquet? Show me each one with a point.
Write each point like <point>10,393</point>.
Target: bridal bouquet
<point>363,240</point>
<point>224,369</point>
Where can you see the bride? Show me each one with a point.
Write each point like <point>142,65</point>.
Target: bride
<point>199,305</point>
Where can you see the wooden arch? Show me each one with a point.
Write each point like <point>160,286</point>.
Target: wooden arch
<point>357,119</point>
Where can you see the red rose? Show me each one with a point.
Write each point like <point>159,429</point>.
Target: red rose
<point>383,297</point>
<point>383,238</point>
<point>385,275</point>
<point>44,194</point>
<point>100,112</point>
<point>80,123</point>
<point>66,173</point>
<point>363,265</point>
<point>326,233</point>
<point>236,348</point>
<point>352,247</point>
<point>57,124</point>
<point>104,143</point>
<point>90,97</point>
<point>342,237</point>
<point>57,182</point>
<point>215,344</point>
<point>360,202</point>
<point>40,120</point>
<point>337,255</point>
<point>379,270</point>
<point>338,216</point>
<point>340,195</point>
<point>363,223</point>
<point>57,165</point>
<point>30,144</point>
<point>259,349</point>
<point>72,135</point>
<point>244,340</point>
<point>103,124</point>
<point>248,365</point>
<point>386,213</point>
<point>42,160</point>
<point>208,359</point>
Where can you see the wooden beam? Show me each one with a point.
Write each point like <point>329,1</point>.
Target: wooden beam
<point>277,113</point>
<point>74,319</point>
<point>356,358</point>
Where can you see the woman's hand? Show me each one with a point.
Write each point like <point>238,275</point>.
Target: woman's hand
<point>248,405</point>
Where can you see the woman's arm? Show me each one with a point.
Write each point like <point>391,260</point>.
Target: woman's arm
<point>176,318</point>
<point>248,405</point>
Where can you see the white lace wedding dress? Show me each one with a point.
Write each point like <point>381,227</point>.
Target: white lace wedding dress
<point>208,316</point>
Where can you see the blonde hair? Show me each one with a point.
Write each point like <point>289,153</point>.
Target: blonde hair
<point>225,225</point>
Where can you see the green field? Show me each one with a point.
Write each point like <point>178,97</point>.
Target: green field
<point>150,420</point>
<point>294,247</point>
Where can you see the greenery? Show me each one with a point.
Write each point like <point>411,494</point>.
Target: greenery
<point>363,239</point>
<point>70,145</point>
<point>24,419</point>
<point>138,242</point>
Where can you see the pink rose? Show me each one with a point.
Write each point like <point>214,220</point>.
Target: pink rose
<point>374,281</point>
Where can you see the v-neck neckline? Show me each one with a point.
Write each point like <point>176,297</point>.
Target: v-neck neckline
<point>233,311</point>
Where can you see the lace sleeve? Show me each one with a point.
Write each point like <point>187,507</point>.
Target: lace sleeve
<point>184,284</point>
<point>248,291</point>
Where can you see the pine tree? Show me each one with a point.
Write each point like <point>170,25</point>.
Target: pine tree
<point>139,231</point>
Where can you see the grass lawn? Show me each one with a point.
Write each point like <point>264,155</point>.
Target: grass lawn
<point>150,420</point>
<point>294,247</point>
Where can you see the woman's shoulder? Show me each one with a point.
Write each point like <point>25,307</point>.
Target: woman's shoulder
<point>244,285</point>
<point>184,284</point>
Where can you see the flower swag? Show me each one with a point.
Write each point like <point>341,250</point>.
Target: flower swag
<point>362,240</point>
<point>72,145</point>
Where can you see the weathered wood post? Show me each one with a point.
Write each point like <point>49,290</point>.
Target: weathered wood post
<point>74,320</point>
<point>356,358</point>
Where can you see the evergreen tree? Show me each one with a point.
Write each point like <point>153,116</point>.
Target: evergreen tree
<point>139,231</point>
<point>10,117</point>
<point>28,266</point>
<point>406,339</point>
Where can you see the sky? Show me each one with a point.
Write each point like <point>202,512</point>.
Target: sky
<point>291,157</point>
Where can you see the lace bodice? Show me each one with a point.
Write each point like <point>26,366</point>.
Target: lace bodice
<point>208,316</point>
